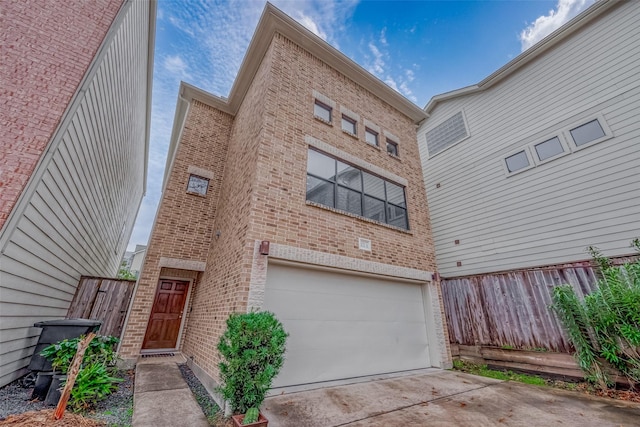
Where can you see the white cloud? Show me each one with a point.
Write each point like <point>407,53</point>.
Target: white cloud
<point>546,24</point>
<point>383,36</point>
<point>377,66</point>
<point>207,51</point>
<point>311,25</point>
<point>176,66</point>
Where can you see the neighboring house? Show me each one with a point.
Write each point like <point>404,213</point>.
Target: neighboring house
<point>300,194</point>
<point>76,88</point>
<point>542,158</point>
<point>137,257</point>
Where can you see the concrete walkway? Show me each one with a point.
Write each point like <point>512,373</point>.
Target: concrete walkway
<point>445,398</point>
<point>162,398</point>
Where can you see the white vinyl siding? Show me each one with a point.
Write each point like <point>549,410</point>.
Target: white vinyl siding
<point>84,193</point>
<point>549,213</point>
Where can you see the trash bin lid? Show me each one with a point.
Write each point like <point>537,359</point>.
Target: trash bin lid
<point>68,322</point>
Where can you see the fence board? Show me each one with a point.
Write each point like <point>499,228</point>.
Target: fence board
<point>512,308</point>
<point>103,299</point>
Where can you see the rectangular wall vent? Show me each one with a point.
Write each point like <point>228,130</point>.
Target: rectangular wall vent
<point>446,134</point>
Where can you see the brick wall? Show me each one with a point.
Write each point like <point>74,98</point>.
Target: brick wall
<point>185,222</point>
<point>263,192</point>
<point>46,48</point>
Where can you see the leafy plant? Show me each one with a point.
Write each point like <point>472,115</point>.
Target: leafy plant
<point>604,328</point>
<point>100,350</point>
<point>95,379</point>
<point>252,349</point>
<point>93,383</point>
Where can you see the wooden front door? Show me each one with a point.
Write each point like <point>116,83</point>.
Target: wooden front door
<point>166,315</point>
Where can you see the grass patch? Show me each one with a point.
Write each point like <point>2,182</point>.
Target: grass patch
<point>483,371</point>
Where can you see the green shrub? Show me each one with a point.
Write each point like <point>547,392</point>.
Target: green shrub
<point>252,349</point>
<point>95,379</point>
<point>102,349</point>
<point>604,328</point>
<point>93,384</point>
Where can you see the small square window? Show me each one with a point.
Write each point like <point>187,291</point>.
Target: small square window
<point>322,111</point>
<point>392,148</point>
<point>549,148</point>
<point>197,185</point>
<point>517,161</point>
<point>371,137</point>
<point>587,132</point>
<point>348,125</point>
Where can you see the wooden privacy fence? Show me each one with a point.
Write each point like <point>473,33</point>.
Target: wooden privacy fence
<point>511,309</point>
<point>102,299</point>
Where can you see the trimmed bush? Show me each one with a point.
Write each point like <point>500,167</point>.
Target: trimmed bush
<point>252,349</point>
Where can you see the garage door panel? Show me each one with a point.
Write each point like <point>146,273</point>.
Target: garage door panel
<point>345,326</point>
<point>346,306</point>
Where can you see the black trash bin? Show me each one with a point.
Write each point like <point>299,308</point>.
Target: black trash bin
<point>58,330</point>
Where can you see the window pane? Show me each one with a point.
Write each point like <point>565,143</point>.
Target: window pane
<point>373,185</point>
<point>517,161</point>
<point>549,148</point>
<point>349,200</point>
<point>371,137</point>
<point>374,209</point>
<point>587,132</point>
<point>395,195</point>
<point>321,165</point>
<point>349,125</point>
<point>349,176</point>
<point>322,111</point>
<point>397,216</point>
<point>392,148</point>
<point>320,191</point>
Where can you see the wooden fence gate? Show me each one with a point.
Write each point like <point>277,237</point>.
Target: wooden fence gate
<point>103,299</point>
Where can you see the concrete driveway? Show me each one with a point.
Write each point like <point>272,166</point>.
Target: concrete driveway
<point>445,398</point>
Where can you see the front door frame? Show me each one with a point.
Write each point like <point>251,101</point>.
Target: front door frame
<point>183,322</point>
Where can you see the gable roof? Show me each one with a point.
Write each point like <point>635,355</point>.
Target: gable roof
<point>598,9</point>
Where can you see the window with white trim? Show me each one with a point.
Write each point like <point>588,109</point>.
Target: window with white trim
<point>587,132</point>
<point>517,161</point>
<point>339,185</point>
<point>548,149</point>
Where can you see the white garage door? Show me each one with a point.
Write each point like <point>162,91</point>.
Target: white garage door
<point>344,326</point>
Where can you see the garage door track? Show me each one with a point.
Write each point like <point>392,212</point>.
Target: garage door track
<point>446,398</point>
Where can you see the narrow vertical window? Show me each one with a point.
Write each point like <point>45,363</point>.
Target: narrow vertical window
<point>322,111</point>
<point>392,148</point>
<point>371,137</point>
<point>348,125</point>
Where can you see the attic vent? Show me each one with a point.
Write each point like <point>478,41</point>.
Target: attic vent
<point>446,134</point>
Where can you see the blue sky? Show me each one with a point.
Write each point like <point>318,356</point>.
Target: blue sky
<point>419,48</point>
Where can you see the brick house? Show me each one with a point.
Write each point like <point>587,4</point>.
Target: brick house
<point>75,105</point>
<point>301,194</point>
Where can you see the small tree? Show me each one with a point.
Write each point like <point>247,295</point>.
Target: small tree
<point>252,349</point>
<point>605,327</point>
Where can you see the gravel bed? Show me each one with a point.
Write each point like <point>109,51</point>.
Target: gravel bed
<point>204,399</point>
<point>15,399</point>
<point>115,410</point>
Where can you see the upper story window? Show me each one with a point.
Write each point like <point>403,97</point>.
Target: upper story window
<point>322,111</point>
<point>517,161</point>
<point>333,183</point>
<point>446,134</point>
<point>392,147</point>
<point>549,148</point>
<point>587,133</point>
<point>348,125</point>
<point>371,136</point>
